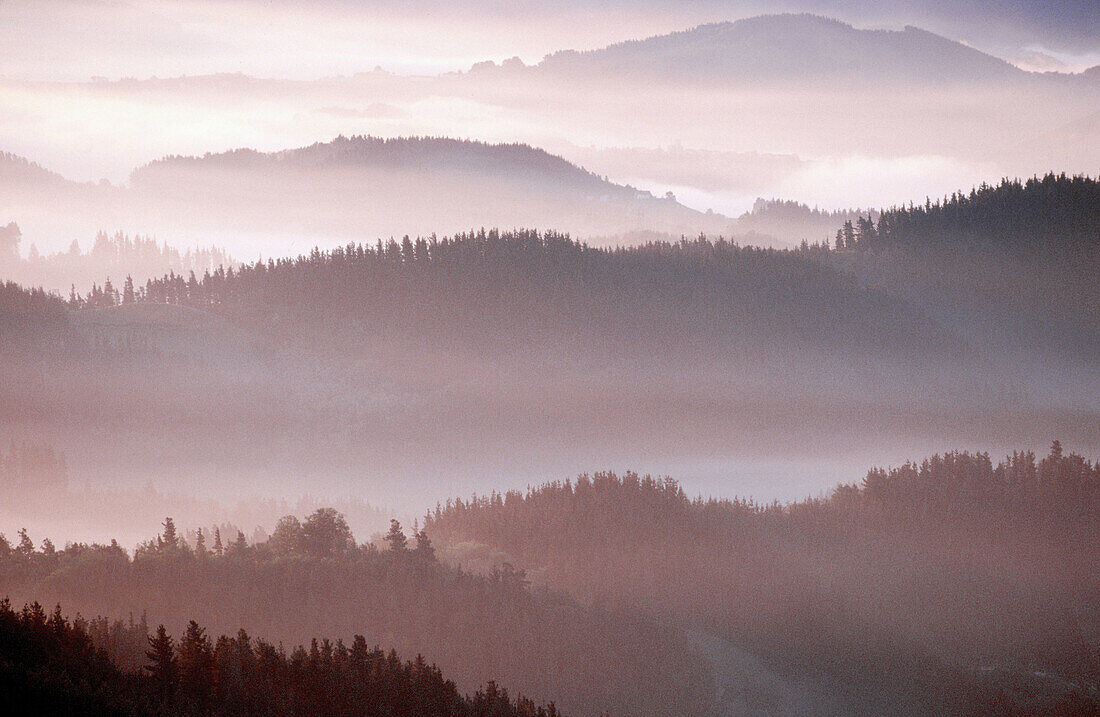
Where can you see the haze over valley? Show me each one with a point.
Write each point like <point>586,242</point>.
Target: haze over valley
<point>572,359</point>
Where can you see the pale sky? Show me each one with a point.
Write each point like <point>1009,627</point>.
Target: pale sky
<point>80,39</point>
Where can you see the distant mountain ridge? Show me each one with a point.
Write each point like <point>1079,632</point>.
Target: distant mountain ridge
<point>803,48</point>
<point>406,153</point>
<point>365,186</point>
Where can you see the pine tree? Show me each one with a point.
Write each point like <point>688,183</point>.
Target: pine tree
<point>26,545</point>
<point>162,658</point>
<point>109,294</point>
<point>396,537</point>
<point>424,547</point>
<point>195,659</point>
<point>849,235</point>
<point>170,540</point>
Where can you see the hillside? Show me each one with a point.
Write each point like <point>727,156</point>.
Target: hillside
<point>365,187</point>
<point>961,259</point>
<point>670,295</point>
<point>935,586</point>
<point>319,370</point>
<point>312,578</point>
<point>783,49</point>
<point>51,665</point>
<point>358,188</point>
<point>1041,215</point>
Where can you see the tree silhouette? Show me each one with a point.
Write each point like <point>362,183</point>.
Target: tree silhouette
<point>396,537</point>
<point>162,658</point>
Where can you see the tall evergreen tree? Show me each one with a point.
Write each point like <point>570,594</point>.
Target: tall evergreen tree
<point>396,537</point>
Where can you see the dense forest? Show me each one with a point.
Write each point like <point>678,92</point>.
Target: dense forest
<point>29,313</point>
<point>51,665</point>
<point>312,578</point>
<point>1052,213</point>
<point>529,288</point>
<point>946,585</point>
<point>1011,266</point>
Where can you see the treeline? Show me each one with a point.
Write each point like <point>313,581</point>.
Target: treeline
<point>419,153</point>
<point>950,584</point>
<point>85,276</point>
<point>1054,212</point>
<point>519,289</point>
<point>51,665</point>
<point>312,578</point>
<point>29,312</point>
<point>1011,267</point>
<point>795,222</point>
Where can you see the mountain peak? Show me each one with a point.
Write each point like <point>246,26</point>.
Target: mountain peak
<point>787,48</point>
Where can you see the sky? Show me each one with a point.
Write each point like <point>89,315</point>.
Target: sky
<point>81,39</point>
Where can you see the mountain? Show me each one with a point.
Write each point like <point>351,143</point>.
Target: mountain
<point>357,188</point>
<point>367,187</point>
<point>784,49</point>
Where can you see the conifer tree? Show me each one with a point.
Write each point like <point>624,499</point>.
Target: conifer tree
<point>162,658</point>
<point>169,537</point>
<point>396,537</point>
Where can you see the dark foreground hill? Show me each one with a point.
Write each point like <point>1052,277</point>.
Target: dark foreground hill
<point>311,578</point>
<point>51,666</point>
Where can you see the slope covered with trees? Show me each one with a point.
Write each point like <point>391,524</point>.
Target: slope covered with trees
<point>945,585</point>
<point>531,288</point>
<point>1013,266</point>
<point>1054,213</point>
<point>312,578</point>
<point>553,353</point>
<point>51,665</point>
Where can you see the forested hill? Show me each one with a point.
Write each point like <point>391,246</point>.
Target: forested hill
<point>17,170</point>
<point>50,665</point>
<point>432,154</point>
<point>364,186</point>
<point>1051,213</point>
<point>543,290</point>
<point>803,49</point>
<point>1013,266</point>
<point>311,578</point>
<point>29,316</point>
<point>955,582</point>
